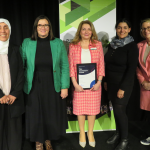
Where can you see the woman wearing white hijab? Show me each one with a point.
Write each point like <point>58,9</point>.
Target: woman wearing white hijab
<point>11,96</point>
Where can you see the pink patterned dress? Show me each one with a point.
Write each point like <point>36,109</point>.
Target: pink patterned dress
<point>86,102</point>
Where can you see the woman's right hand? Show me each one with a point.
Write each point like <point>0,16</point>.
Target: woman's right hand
<point>105,86</point>
<point>4,99</point>
<point>146,85</point>
<point>78,88</point>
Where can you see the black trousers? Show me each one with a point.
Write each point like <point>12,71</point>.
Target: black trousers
<point>10,131</point>
<point>121,120</point>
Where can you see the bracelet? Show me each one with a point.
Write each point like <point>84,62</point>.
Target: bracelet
<point>100,80</point>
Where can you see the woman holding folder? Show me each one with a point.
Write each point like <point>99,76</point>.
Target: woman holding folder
<point>84,49</point>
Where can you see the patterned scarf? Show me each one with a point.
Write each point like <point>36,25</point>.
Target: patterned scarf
<point>115,43</point>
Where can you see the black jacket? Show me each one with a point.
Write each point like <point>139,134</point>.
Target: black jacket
<point>17,81</point>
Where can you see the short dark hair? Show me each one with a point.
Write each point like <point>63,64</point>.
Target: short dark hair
<point>34,31</point>
<point>123,20</point>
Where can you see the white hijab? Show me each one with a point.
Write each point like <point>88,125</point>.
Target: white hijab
<point>4,45</point>
<point>5,80</point>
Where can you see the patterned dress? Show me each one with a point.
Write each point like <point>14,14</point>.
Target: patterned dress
<point>86,102</point>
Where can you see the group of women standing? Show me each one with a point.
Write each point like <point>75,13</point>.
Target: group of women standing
<point>44,73</point>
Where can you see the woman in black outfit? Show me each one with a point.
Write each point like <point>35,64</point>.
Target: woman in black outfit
<point>121,62</point>
<point>11,91</point>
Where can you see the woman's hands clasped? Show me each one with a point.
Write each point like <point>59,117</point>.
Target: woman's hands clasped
<point>11,99</point>
<point>78,88</point>
<point>96,87</point>
<point>7,99</point>
<point>4,100</point>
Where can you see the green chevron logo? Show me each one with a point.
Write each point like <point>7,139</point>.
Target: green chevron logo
<point>73,12</point>
<point>78,12</point>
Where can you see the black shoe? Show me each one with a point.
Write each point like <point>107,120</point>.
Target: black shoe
<point>114,138</point>
<point>123,145</point>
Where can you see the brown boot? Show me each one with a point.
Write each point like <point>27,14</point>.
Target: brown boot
<point>48,145</point>
<point>39,146</point>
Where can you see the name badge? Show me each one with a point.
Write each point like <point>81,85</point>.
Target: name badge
<point>94,48</point>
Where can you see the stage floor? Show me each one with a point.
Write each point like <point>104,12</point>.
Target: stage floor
<point>137,131</point>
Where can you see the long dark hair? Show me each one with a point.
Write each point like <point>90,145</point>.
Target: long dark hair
<point>34,31</point>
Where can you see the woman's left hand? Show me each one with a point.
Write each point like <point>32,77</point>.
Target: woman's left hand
<point>120,93</point>
<point>96,86</point>
<point>11,99</point>
<point>64,93</point>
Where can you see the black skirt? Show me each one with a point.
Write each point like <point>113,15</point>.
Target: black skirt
<point>46,117</point>
<point>10,130</point>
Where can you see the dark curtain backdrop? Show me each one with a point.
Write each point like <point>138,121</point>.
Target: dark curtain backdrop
<point>22,14</point>
<point>134,11</point>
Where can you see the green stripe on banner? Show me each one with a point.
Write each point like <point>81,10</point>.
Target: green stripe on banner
<point>102,123</point>
<point>97,5</point>
<point>75,14</point>
<point>102,12</point>
<point>88,10</point>
<point>63,27</point>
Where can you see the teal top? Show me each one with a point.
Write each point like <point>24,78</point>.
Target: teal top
<point>60,63</point>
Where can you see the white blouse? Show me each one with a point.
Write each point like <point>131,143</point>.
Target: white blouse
<point>5,79</point>
<point>85,56</point>
<point>146,53</point>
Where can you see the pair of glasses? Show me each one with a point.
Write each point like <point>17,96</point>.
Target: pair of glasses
<point>144,29</point>
<point>46,26</point>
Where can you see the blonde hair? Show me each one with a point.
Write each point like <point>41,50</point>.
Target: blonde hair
<point>77,37</point>
<point>145,20</point>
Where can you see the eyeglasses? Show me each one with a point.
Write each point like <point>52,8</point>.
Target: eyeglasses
<point>46,26</point>
<point>144,29</point>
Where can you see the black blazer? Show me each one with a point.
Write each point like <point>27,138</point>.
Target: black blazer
<point>17,81</point>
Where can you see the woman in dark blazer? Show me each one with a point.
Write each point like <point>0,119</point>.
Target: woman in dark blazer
<point>11,95</point>
<point>46,84</point>
<point>121,62</point>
